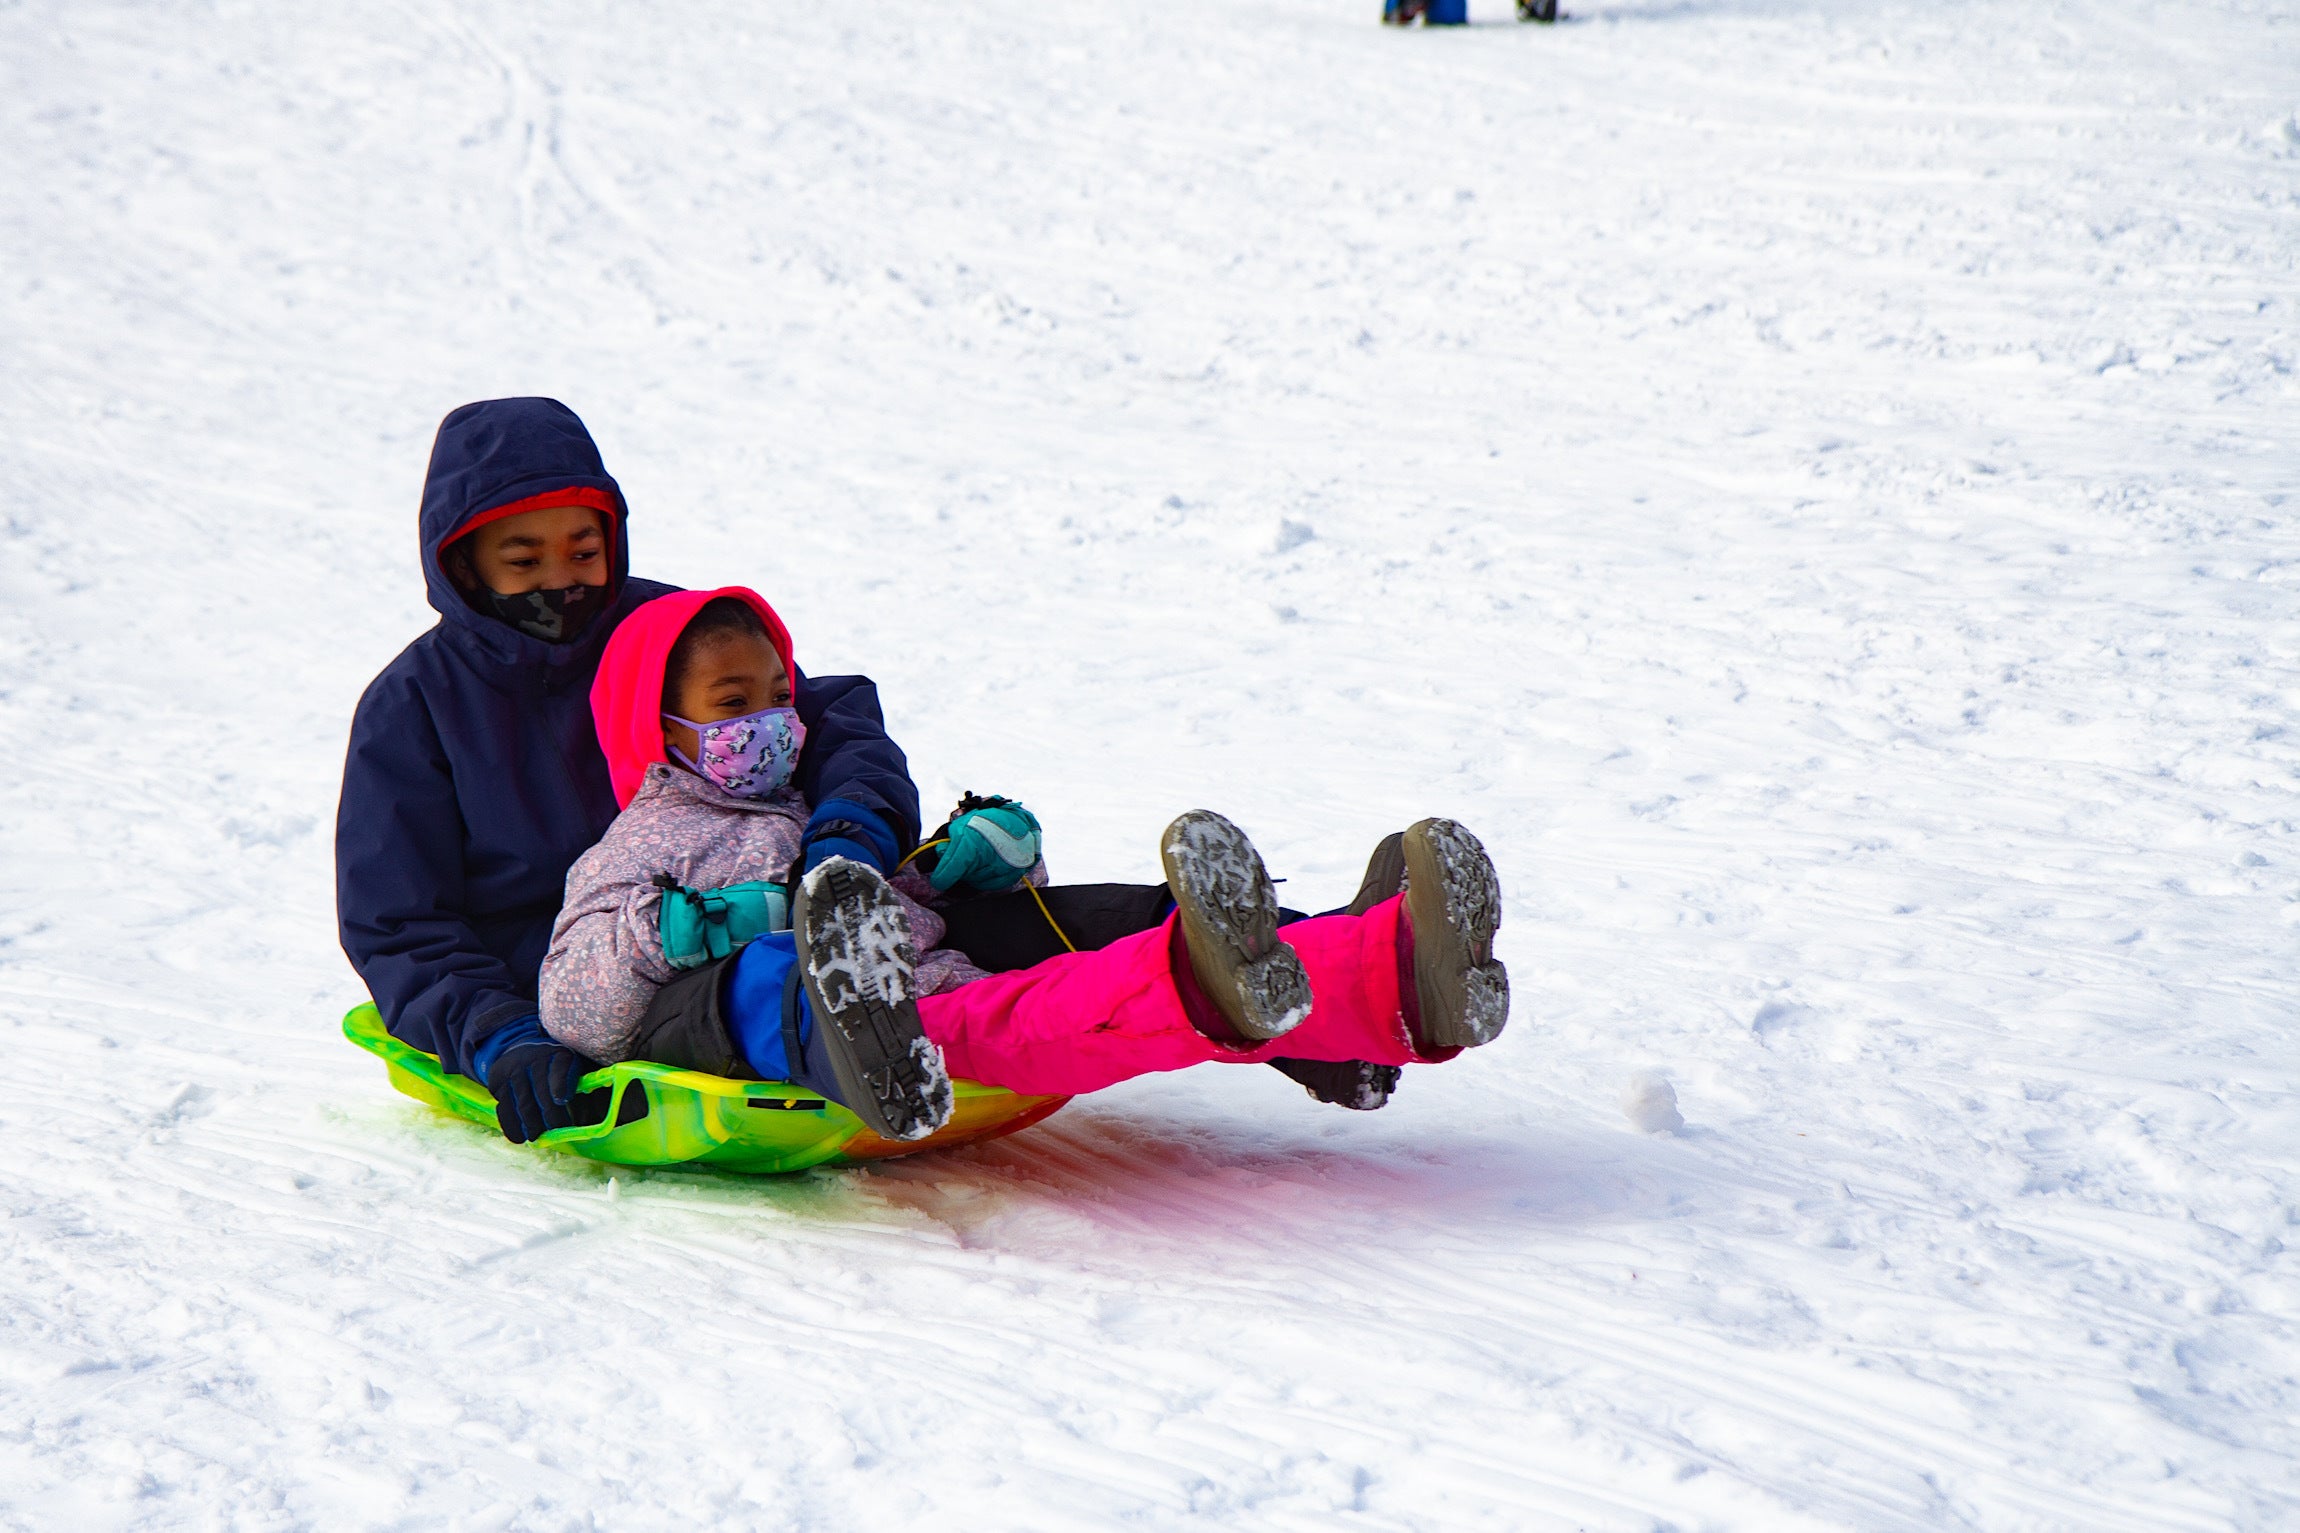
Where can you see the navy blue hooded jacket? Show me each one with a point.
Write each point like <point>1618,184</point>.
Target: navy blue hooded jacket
<point>474,778</point>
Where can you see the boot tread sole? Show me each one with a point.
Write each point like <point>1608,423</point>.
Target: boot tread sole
<point>860,973</point>
<point>1453,897</point>
<point>1230,925</point>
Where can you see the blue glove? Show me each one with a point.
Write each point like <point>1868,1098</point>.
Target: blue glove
<point>840,827</point>
<point>992,843</point>
<point>534,1080</point>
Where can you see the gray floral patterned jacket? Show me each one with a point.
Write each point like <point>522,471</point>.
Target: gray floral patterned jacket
<point>606,958</point>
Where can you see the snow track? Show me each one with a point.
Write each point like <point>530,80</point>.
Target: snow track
<point>1809,484</point>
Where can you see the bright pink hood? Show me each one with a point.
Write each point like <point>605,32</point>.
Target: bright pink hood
<point>627,696</point>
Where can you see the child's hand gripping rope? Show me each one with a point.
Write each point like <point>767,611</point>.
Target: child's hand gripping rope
<point>990,844</point>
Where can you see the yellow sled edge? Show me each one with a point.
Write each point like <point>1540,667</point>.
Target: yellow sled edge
<point>683,1117</point>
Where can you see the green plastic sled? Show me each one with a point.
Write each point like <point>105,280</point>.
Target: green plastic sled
<point>660,1116</point>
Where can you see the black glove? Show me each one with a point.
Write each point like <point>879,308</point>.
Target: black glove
<point>534,1084</point>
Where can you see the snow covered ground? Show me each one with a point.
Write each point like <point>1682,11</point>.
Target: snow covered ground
<point>1812,481</point>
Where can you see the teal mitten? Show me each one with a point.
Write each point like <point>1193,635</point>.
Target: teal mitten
<point>993,843</point>
<point>698,925</point>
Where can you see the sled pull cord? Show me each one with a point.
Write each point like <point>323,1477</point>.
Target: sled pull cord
<point>1057,925</point>
<point>925,846</point>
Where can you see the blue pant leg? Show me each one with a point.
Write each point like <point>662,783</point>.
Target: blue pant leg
<point>754,1001</point>
<point>766,1007</point>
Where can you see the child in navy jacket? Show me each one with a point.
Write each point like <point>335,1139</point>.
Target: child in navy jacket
<point>474,779</point>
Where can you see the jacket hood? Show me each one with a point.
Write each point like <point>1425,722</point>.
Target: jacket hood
<point>497,458</point>
<point>627,694</point>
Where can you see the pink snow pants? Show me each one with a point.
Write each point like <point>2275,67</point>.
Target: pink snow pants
<point>1084,1021</point>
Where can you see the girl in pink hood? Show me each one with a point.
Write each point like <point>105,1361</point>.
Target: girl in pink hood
<point>857,1001</point>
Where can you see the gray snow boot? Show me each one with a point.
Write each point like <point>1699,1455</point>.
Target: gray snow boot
<point>1230,927</point>
<point>1453,903</point>
<point>1385,874</point>
<point>861,980</point>
<point>1357,1084</point>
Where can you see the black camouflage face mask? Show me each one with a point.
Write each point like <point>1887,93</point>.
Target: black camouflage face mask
<point>555,617</point>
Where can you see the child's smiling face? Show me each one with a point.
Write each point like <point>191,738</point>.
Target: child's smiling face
<point>725,677</point>
<point>546,550</point>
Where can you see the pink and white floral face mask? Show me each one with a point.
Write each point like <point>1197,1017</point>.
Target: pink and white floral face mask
<point>749,757</point>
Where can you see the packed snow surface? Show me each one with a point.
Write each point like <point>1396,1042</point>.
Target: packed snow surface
<point>1809,482</point>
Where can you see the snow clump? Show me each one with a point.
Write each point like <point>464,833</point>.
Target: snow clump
<point>1650,1103</point>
